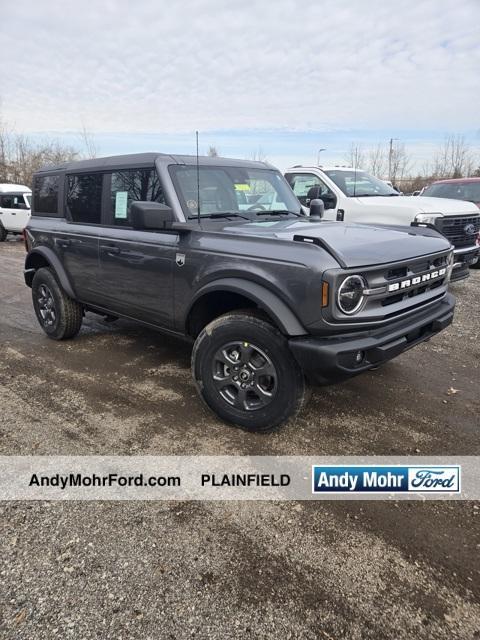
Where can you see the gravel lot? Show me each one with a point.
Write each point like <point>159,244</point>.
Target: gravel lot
<point>231,570</point>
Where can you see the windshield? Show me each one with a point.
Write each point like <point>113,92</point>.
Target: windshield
<point>236,190</point>
<point>359,184</point>
<point>457,190</point>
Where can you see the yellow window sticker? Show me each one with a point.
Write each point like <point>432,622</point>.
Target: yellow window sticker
<point>242,187</point>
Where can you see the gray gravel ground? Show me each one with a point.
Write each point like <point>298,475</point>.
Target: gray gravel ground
<point>231,570</point>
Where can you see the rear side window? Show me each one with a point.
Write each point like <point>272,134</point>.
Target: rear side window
<point>84,197</point>
<point>130,185</point>
<point>45,194</point>
<point>12,201</point>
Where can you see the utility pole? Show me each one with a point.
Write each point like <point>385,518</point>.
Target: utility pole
<point>390,154</point>
<point>318,156</point>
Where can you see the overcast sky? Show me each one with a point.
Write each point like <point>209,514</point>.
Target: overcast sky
<point>146,74</point>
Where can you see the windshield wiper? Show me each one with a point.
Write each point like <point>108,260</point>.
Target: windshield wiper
<point>222,214</point>
<point>280,212</point>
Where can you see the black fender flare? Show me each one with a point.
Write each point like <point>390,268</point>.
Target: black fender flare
<point>266,300</point>
<point>54,263</point>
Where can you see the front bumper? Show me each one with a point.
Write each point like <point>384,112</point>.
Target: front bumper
<point>326,360</point>
<point>463,258</point>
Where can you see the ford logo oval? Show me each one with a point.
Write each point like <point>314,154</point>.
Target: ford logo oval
<point>469,229</point>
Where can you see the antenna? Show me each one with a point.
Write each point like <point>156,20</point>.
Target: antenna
<point>355,175</point>
<point>198,183</point>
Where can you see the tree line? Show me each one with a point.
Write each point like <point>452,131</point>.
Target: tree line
<point>21,155</point>
<point>453,158</point>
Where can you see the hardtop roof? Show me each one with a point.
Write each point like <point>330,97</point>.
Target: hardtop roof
<point>7,187</point>
<point>149,159</point>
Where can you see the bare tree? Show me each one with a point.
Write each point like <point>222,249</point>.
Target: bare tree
<point>377,161</point>
<point>400,162</point>
<point>453,159</point>
<point>20,156</point>
<point>355,156</point>
<point>88,142</point>
<point>212,152</point>
<point>259,155</point>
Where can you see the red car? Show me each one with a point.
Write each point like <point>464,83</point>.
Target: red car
<point>456,188</point>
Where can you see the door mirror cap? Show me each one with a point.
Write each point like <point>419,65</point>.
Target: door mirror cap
<point>151,216</point>
<point>317,209</point>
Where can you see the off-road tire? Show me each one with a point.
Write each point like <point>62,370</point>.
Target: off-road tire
<point>248,328</point>
<point>3,233</point>
<point>68,314</point>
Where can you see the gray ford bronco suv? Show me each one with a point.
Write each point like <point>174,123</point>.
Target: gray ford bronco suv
<point>219,251</point>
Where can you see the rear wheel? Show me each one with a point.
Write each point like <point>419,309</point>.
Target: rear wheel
<point>245,372</point>
<point>59,316</point>
<point>3,233</point>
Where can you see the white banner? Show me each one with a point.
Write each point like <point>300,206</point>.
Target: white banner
<point>239,478</point>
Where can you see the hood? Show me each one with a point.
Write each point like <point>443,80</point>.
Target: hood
<point>421,204</point>
<point>355,244</point>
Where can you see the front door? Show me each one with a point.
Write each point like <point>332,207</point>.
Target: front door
<point>302,185</point>
<point>136,267</point>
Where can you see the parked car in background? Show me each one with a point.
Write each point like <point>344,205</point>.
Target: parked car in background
<point>15,204</point>
<point>353,195</point>
<point>456,189</point>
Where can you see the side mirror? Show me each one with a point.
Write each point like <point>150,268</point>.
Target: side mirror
<point>317,209</point>
<point>151,216</point>
<point>329,200</point>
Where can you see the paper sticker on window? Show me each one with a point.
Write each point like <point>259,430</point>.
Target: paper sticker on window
<point>121,202</point>
<point>242,187</point>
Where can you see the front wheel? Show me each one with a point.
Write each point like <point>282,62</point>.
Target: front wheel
<point>3,233</point>
<point>59,316</point>
<point>245,372</point>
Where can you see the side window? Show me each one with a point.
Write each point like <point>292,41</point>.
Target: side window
<point>301,184</point>
<point>6,201</point>
<point>45,194</point>
<point>130,185</point>
<point>84,197</point>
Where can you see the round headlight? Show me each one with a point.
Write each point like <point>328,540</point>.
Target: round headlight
<point>350,294</point>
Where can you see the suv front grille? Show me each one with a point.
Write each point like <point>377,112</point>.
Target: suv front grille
<point>461,231</point>
<point>399,288</point>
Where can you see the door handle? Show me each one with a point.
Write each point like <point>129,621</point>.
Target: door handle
<point>64,243</point>
<point>111,249</point>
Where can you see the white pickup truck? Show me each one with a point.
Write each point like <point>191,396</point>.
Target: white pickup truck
<point>355,196</point>
<point>15,205</point>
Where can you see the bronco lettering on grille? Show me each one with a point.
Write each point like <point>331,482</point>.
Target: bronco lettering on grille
<point>416,280</point>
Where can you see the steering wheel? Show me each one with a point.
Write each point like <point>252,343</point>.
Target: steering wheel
<point>258,207</point>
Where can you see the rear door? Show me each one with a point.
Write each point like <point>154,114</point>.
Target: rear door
<point>77,241</point>
<point>136,267</point>
<point>14,211</point>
